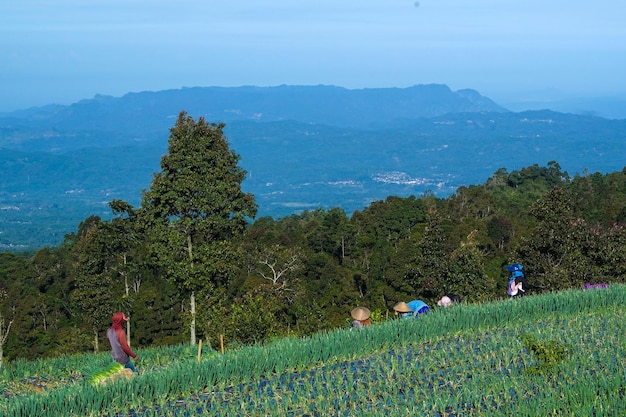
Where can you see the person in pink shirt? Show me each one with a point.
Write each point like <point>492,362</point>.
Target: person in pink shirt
<point>448,299</point>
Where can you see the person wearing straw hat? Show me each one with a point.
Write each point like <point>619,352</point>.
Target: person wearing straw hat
<point>361,316</point>
<point>403,310</point>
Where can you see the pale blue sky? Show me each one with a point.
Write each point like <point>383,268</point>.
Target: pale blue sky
<point>62,51</point>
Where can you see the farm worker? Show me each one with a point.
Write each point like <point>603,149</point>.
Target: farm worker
<point>411,309</point>
<point>120,351</point>
<point>448,300</point>
<point>403,310</point>
<point>418,307</point>
<point>517,281</point>
<point>361,316</point>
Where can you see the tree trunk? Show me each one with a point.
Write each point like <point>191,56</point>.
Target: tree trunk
<point>96,347</point>
<point>192,330</point>
<point>126,287</point>
<point>128,332</point>
<point>127,292</point>
<point>192,298</point>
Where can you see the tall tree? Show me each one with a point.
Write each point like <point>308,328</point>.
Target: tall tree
<point>20,303</point>
<point>125,248</point>
<point>195,209</point>
<point>5,327</point>
<point>95,293</point>
<point>432,269</point>
<point>467,277</point>
<point>551,254</point>
<point>50,280</point>
<point>4,333</point>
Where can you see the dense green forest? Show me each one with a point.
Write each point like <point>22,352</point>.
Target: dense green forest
<point>193,258</point>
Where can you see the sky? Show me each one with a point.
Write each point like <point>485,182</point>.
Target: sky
<point>63,51</point>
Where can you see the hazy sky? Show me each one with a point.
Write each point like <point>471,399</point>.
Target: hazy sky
<point>61,51</point>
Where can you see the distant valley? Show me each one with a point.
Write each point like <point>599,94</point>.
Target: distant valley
<point>303,148</point>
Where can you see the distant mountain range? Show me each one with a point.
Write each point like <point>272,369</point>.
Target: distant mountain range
<point>609,107</point>
<point>303,147</point>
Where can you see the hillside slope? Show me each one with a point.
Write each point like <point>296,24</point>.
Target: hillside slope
<point>468,359</point>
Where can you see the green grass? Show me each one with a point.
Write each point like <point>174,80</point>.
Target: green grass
<point>554,354</point>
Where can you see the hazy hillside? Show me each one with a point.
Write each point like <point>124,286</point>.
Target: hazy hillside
<point>610,107</point>
<point>303,148</point>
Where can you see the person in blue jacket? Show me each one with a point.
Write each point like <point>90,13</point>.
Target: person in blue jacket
<point>418,307</point>
<point>517,280</point>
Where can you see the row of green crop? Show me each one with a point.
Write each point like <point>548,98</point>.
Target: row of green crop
<point>182,377</point>
<point>480,374</point>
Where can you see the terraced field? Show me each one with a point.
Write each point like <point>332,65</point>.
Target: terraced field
<point>468,360</point>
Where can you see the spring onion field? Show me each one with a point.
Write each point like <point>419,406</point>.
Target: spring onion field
<point>466,360</point>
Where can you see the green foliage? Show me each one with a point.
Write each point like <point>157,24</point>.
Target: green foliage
<point>552,242</point>
<point>377,316</point>
<point>535,176</point>
<point>195,205</point>
<point>432,274</point>
<point>102,374</point>
<point>468,277</point>
<point>251,319</point>
<point>549,353</point>
<point>95,275</point>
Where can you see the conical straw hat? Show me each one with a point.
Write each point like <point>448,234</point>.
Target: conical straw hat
<point>360,313</point>
<point>402,307</point>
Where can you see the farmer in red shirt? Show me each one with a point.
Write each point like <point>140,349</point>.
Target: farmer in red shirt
<point>120,351</point>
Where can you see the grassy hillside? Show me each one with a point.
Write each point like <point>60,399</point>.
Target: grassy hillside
<point>554,354</point>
